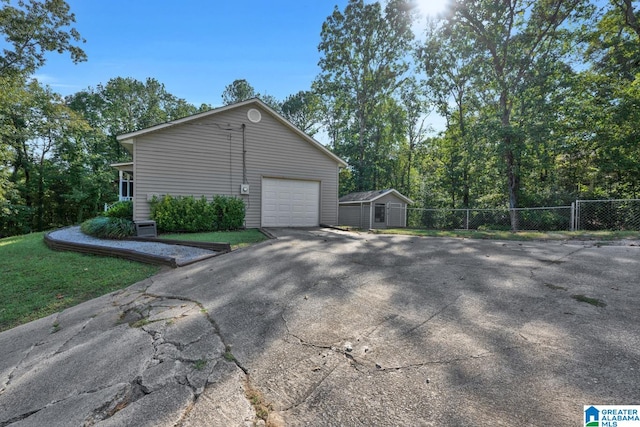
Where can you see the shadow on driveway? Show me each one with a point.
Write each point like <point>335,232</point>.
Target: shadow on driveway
<point>335,328</point>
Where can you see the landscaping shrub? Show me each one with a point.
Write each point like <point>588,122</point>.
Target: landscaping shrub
<point>188,214</point>
<point>228,213</point>
<point>108,228</point>
<point>121,210</point>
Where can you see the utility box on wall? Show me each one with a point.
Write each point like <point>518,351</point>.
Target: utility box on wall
<point>146,229</point>
<point>244,188</point>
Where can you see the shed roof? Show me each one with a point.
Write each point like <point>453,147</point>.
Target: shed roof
<point>371,196</point>
<point>127,138</point>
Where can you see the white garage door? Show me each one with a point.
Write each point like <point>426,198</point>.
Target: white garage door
<point>290,203</point>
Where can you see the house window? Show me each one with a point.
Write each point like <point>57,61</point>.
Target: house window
<point>126,186</point>
<point>379,212</point>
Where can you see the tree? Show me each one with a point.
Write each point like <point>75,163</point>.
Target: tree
<point>126,105</point>
<point>364,62</point>
<point>38,121</point>
<point>414,102</point>
<point>613,83</point>
<point>514,40</point>
<point>34,28</point>
<point>29,30</point>
<point>303,110</point>
<point>450,64</point>
<point>239,90</point>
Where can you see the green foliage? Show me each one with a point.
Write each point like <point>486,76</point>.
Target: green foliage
<point>364,63</point>
<point>240,90</point>
<point>123,209</point>
<point>304,111</point>
<point>228,213</point>
<point>188,214</point>
<point>14,218</point>
<point>108,228</point>
<point>31,30</point>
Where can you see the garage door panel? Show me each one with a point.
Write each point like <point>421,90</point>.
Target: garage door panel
<point>290,203</point>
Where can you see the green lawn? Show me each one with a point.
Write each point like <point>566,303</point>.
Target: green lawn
<point>37,281</point>
<point>520,235</point>
<point>237,239</point>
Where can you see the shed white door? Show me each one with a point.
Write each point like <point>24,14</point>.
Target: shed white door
<point>290,203</point>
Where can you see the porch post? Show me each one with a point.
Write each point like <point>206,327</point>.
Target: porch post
<point>119,185</point>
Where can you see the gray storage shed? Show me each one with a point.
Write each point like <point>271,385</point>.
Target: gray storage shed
<point>374,209</point>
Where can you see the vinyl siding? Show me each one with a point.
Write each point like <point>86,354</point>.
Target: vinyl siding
<point>389,198</point>
<point>350,214</point>
<point>354,215</point>
<point>197,158</point>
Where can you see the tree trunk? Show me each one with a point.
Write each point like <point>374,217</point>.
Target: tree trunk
<point>361,166</point>
<point>513,178</point>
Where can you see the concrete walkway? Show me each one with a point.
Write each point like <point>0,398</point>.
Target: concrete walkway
<point>328,328</point>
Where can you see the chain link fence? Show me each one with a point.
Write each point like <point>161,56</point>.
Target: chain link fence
<point>617,214</point>
<point>543,219</point>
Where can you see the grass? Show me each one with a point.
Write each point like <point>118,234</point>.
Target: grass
<point>237,239</point>
<point>37,281</point>
<point>260,405</point>
<point>200,364</point>
<point>520,235</point>
<point>593,301</point>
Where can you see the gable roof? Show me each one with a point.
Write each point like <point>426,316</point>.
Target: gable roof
<point>127,138</point>
<point>371,196</point>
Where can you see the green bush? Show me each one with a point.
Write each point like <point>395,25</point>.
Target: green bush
<point>228,213</point>
<point>108,228</point>
<point>121,210</point>
<point>15,219</point>
<point>188,214</point>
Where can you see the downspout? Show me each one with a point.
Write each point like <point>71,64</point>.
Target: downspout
<point>244,155</point>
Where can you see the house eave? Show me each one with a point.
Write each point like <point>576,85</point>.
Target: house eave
<point>373,199</point>
<point>126,166</point>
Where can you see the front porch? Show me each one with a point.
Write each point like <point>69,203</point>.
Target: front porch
<point>125,182</point>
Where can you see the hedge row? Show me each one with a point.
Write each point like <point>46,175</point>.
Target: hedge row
<point>188,214</point>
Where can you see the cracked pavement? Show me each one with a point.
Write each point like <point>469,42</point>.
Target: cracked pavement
<point>334,328</point>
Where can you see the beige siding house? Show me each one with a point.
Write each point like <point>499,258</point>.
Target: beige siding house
<point>374,209</point>
<point>247,150</point>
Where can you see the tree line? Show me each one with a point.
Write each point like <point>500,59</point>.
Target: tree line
<point>541,100</point>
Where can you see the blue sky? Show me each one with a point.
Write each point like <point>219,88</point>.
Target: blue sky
<point>196,48</point>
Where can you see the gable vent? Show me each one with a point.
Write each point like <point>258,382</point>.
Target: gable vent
<point>254,115</point>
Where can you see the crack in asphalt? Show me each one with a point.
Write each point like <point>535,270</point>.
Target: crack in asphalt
<point>15,368</point>
<point>227,355</point>
<point>311,391</point>
<point>447,361</point>
<point>437,313</point>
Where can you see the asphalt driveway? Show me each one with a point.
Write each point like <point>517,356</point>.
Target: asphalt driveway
<point>332,328</point>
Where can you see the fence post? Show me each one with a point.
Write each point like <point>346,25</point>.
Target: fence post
<point>467,222</point>
<point>572,221</point>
